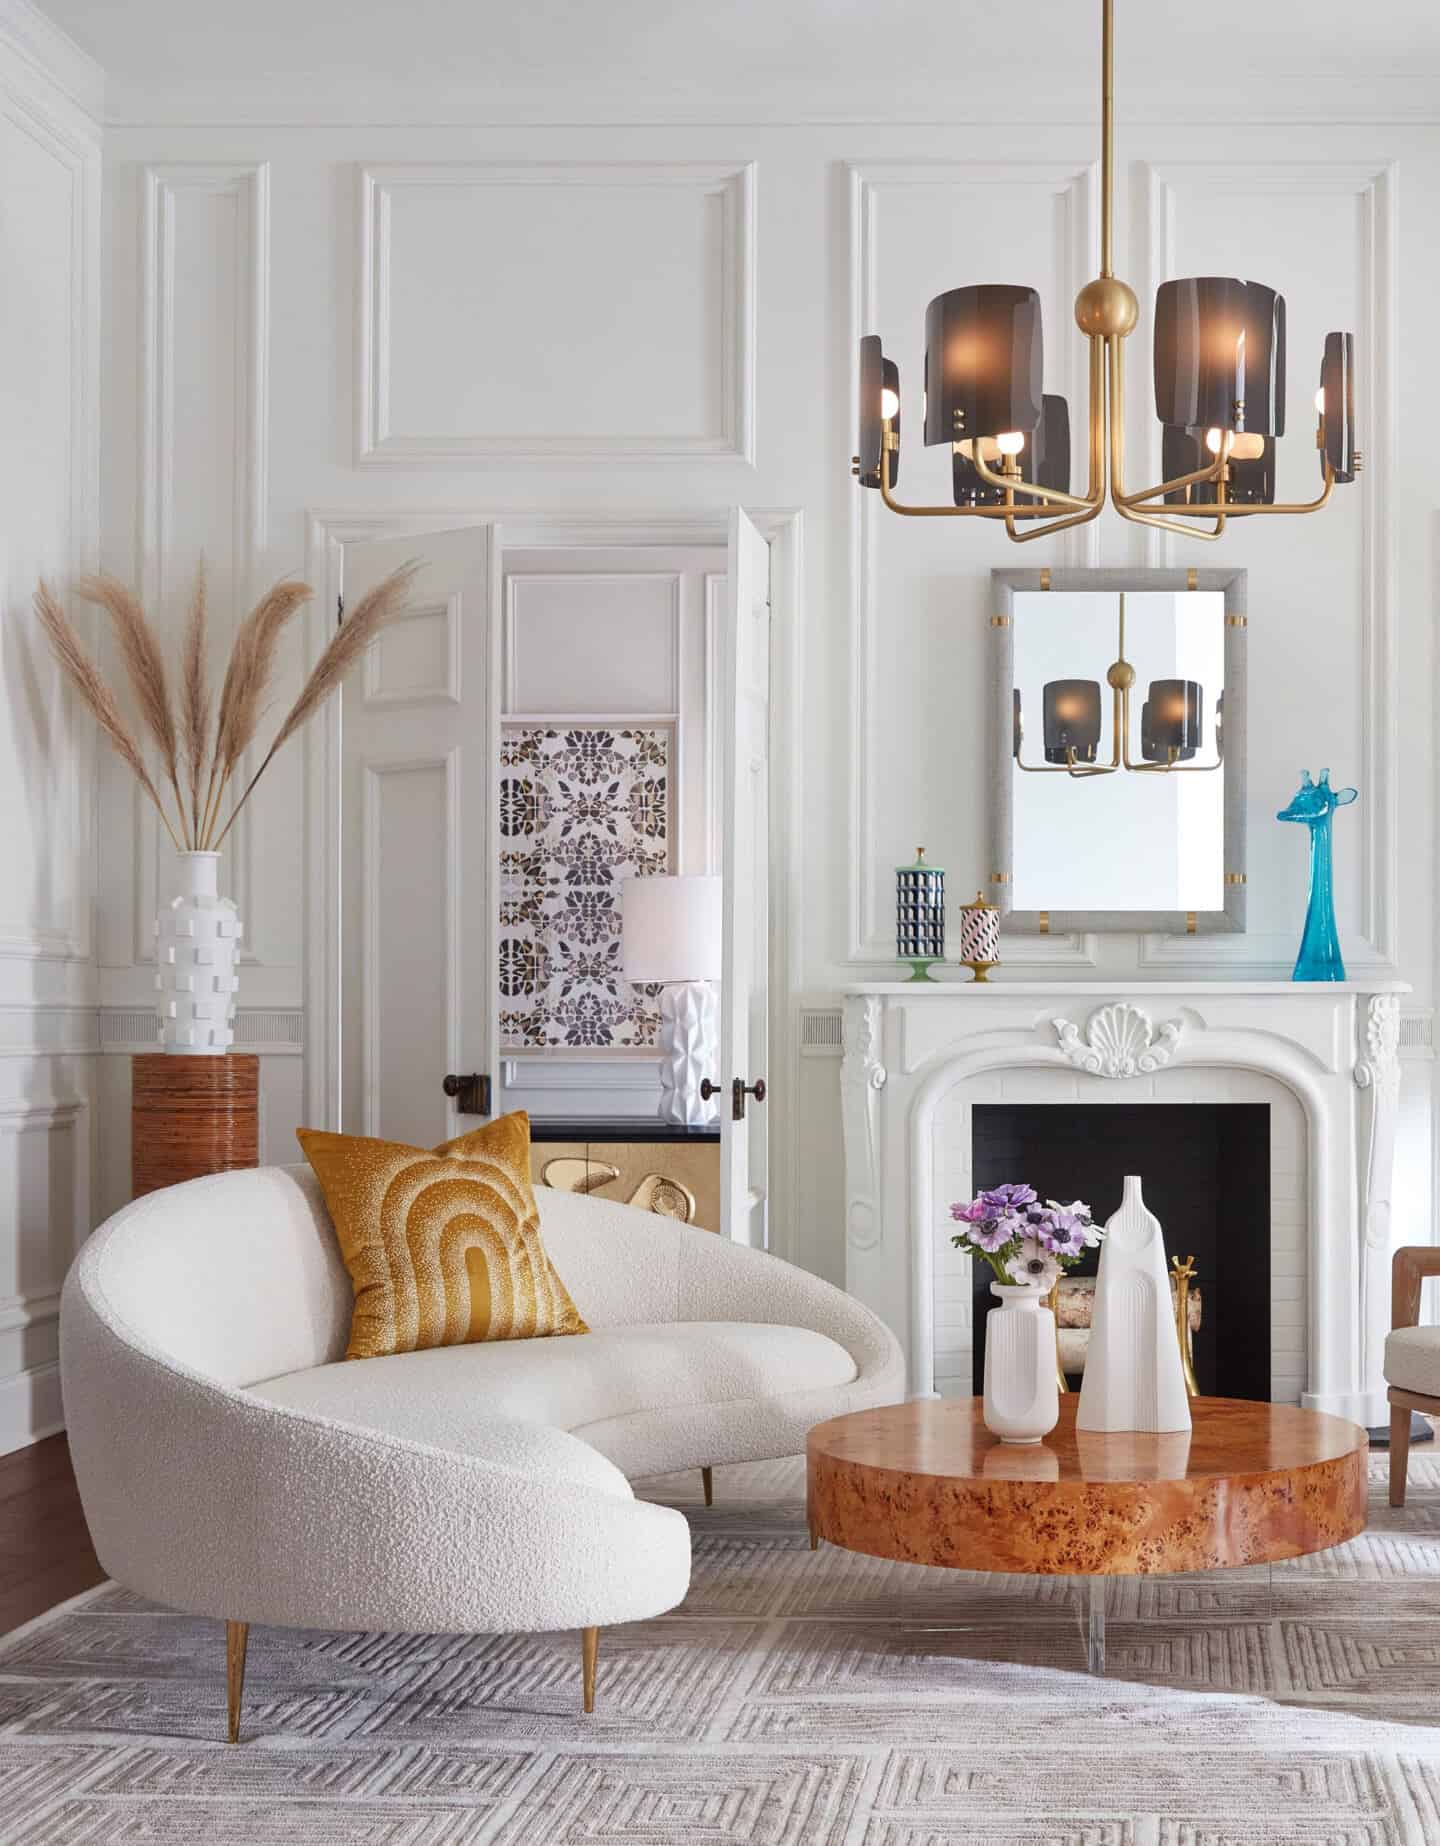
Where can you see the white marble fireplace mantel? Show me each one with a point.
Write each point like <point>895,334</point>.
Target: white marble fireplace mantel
<point>908,1045</point>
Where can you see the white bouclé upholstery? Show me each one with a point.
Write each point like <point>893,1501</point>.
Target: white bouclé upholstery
<point>231,1463</point>
<point>1412,1360</point>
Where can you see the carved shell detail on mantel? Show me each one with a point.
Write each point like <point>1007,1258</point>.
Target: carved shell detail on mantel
<point>1118,1041</point>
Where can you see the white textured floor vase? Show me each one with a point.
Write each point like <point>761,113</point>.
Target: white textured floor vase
<point>1133,1374</point>
<point>1022,1392</point>
<point>688,1044</point>
<point>197,946</point>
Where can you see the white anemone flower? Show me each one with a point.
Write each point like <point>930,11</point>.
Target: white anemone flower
<point>1034,1266</point>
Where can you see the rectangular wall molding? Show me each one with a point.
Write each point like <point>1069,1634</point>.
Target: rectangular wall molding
<point>203,483</point>
<point>1035,185</point>
<point>1375,189</point>
<point>32,107</point>
<point>431,237</point>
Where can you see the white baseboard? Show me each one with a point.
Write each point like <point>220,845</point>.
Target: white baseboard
<point>30,1406</point>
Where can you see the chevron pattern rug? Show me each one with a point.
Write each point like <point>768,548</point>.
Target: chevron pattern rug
<point>817,1698</point>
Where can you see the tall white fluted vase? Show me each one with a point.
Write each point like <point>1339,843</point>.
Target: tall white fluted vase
<point>1134,1379</point>
<point>1022,1395</point>
<point>197,949</point>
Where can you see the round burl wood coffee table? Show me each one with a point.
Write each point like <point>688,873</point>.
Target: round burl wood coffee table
<point>926,1483</point>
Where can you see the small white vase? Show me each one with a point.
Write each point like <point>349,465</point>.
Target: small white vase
<point>1022,1396</point>
<point>1133,1376</point>
<point>687,1047</point>
<point>197,944</point>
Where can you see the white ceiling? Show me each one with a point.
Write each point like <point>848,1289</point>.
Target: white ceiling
<point>582,59</point>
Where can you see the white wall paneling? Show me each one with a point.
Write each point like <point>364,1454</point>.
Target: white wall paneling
<point>554,311</point>
<point>50,178</point>
<point>1327,234</point>
<point>880,742</point>
<point>49,364</point>
<point>909,223</point>
<point>202,486</point>
<point>45,1186</point>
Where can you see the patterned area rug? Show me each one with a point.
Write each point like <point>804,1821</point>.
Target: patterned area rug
<point>822,1699</point>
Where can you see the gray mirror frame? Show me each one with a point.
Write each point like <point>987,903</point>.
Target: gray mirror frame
<point>1005,584</point>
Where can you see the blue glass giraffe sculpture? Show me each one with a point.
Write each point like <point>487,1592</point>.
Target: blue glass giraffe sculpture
<point>1314,803</point>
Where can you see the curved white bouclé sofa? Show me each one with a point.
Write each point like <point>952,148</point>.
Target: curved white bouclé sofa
<point>233,1464</point>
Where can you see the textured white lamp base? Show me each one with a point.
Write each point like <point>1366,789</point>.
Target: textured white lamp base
<point>687,1053</point>
<point>1133,1376</point>
<point>197,941</point>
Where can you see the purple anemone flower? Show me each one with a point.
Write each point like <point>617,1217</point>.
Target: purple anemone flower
<point>1005,1199</point>
<point>990,1233</point>
<point>1064,1235</point>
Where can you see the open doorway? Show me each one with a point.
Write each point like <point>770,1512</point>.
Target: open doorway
<point>555,715</point>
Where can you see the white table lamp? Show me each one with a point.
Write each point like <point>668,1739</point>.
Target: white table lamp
<point>671,933</point>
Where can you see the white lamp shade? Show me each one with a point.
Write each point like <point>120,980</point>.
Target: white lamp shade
<point>671,929</point>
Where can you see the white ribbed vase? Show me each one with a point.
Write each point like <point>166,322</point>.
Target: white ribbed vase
<point>1022,1392</point>
<point>197,945</point>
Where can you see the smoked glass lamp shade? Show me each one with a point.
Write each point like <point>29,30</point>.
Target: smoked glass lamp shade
<point>983,362</point>
<point>1170,719</point>
<point>1252,479</point>
<point>1220,355</point>
<point>877,376</point>
<point>1337,382</point>
<point>1046,460</point>
<point>872,379</point>
<point>1072,719</point>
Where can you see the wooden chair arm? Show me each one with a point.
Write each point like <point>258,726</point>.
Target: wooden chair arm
<point>1409,1269</point>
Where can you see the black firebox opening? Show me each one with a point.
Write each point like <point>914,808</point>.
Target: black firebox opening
<point>1206,1174</point>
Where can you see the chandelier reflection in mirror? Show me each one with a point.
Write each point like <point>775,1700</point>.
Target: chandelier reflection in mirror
<point>1219,360</point>
<point>1172,724</point>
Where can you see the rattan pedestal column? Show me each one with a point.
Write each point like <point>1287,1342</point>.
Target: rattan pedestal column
<point>192,1115</point>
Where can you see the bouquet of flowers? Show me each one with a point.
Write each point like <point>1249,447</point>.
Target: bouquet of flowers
<point>1023,1241</point>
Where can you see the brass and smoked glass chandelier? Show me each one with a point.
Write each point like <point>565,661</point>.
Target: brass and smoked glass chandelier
<point>1219,392</point>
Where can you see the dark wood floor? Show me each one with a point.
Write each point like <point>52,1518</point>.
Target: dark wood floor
<point>45,1550</point>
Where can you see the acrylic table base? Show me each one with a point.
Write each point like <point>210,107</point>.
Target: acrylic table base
<point>926,1483</point>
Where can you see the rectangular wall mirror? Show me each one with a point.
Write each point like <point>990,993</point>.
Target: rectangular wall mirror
<point>1118,757</point>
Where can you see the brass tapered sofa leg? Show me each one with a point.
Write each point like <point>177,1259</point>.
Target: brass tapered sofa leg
<point>236,1635</point>
<point>707,1481</point>
<point>589,1650</point>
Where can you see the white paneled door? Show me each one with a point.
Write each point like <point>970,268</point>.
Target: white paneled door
<point>419,740</point>
<point>744,710</point>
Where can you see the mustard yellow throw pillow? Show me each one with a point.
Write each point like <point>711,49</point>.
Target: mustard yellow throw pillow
<point>443,1248</point>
